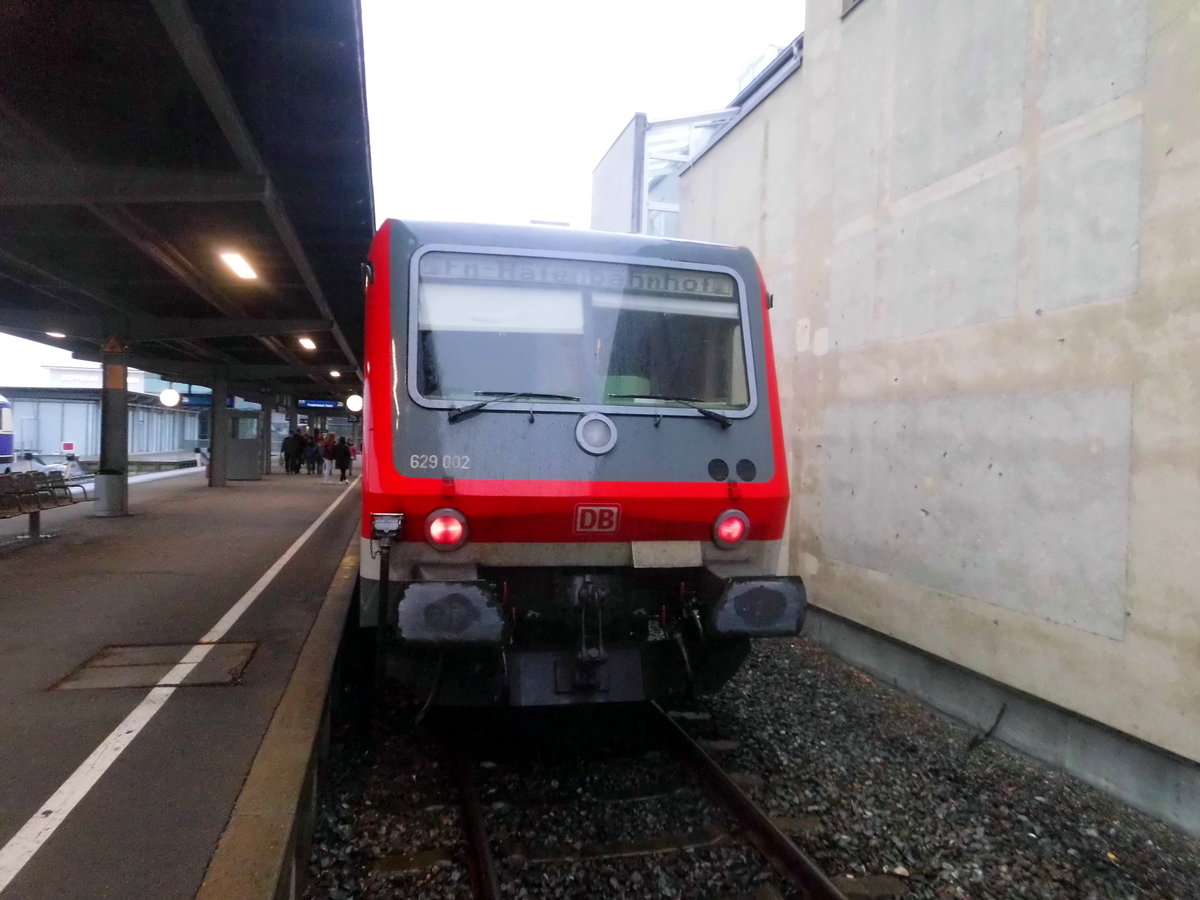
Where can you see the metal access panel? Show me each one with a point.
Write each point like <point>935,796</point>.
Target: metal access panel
<point>161,665</point>
<point>245,447</point>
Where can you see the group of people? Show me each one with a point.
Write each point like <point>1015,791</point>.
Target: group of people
<point>318,453</point>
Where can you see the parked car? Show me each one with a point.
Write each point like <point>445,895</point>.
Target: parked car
<point>35,464</point>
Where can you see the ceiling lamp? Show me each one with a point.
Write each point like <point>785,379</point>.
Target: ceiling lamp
<point>238,263</point>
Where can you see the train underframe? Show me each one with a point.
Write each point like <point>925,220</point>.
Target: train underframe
<point>550,636</point>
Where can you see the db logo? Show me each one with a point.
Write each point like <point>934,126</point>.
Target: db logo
<point>597,519</point>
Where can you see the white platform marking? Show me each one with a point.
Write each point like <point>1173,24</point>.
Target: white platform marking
<point>26,842</point>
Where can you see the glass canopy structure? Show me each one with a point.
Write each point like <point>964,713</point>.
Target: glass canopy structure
<point>635,186</point>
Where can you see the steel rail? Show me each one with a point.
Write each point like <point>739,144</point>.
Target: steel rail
<point>484,885</point>
<point>784,856</point>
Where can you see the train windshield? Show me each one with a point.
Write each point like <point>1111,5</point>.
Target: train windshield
<point>610,334</point>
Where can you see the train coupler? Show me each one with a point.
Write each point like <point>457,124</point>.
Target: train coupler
<point>759,607</point>
<point>450,613</point>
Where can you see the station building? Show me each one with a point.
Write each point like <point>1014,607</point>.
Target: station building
<point>56,411</point>
<point>635,186</point>
<point>56,408</point>
<point>979,223</point>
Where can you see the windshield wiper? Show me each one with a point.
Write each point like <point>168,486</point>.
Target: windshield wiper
<point>494,396</point>
<point>693,402</point>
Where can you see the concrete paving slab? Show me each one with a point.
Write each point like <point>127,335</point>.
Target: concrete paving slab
<point>149,665</point>
<point>102,677</point>
<point>162,576</point>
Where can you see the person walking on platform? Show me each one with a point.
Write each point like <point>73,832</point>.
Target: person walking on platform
<point>291,453</point>
<point>312,455</point>
<point>327,454</point>
<point>341,457</point>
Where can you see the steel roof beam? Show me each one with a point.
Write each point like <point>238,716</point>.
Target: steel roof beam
<point>121,307</point>
<point>60,284</point>
<point>144,238</point>
<point>151,329</point>
<point>189,42</point>
<point>291,242</point>
<point>169,329</point>
<point>720,115</point>
<point>25,184</point>
<point>199,372</point>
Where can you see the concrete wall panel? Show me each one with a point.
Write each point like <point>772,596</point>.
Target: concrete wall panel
<point>955,261</point>
<point>1088,217</point>
<point>859,111</point>
<point>960,74</point>
<point>1095,52</point>
<point>854,313</point>
<point>739,195</point>
<point>971,495</point>
<point>779,188</point>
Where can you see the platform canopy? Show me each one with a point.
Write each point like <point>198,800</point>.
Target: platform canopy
<point>142,139</point>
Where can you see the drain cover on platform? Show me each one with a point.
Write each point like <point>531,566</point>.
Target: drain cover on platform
<point>146,665</point>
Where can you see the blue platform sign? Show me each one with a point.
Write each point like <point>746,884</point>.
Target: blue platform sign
<point>319,404</point>
<point>198,400</point>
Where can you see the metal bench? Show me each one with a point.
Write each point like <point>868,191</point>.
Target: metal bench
<point>28,493</point>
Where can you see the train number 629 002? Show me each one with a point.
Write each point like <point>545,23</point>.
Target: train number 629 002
<point>433,461</point>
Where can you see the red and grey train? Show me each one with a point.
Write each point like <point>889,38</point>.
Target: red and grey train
<point>575,483</point>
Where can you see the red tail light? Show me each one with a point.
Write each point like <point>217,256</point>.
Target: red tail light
<point>446,529</point>
<point>730,528</point>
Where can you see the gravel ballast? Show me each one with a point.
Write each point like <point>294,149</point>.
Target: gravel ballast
<point>887,797</point>
<point>894,787</point>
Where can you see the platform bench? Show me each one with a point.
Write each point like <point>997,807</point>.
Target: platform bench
<point>28,493</point>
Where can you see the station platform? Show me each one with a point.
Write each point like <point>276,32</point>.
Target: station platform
<point>141,661</point>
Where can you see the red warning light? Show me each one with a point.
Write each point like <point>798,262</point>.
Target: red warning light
<point>730,528</point>
<point>446,529</point>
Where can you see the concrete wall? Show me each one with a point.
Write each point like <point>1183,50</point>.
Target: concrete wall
<point>617,181</point>
<point>981,223</point>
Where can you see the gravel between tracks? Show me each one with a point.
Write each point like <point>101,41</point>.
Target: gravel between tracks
<point>873,783</point>
<point>892,785</point>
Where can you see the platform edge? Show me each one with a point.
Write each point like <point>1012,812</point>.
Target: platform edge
<point>256,854</point>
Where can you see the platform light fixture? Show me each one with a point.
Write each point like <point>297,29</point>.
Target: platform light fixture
<point>354,403</point>
<point>55,334</point>
<point>237,262</point>
<point>308,343</point>
<point>334,373</point>
<point>169,397</point>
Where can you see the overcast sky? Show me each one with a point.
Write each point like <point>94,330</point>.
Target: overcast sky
<point>498,112</point>
<point>21,361</point>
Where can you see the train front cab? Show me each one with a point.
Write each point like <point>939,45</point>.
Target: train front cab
<point>574,478</point>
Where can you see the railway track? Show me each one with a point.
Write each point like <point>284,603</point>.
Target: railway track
<point>580,804</point>
<point>753,825</point>
<point>776,847</point>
